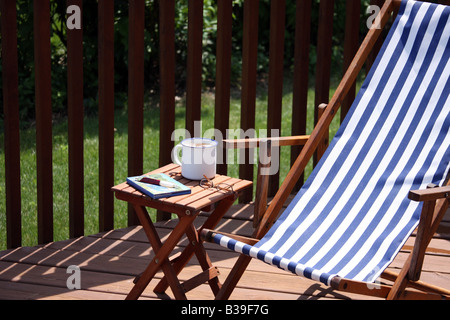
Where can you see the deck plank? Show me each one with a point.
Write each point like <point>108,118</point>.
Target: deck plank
<point>110,260</point>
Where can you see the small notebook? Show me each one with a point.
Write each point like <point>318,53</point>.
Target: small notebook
<point>156,191</point>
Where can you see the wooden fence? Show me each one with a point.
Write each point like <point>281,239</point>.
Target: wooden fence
<point>43,101</point>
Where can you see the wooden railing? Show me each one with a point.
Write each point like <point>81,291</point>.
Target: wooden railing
<point>167,93</point>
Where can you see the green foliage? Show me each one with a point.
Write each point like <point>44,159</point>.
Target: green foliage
<point>90,38</point>
<point>91,156</point>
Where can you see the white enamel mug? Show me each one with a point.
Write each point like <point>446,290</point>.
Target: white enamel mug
<point>198,158</point>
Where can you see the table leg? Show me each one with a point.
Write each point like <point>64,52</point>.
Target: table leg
<point>222,207</point>
<point>203,258</point>
<point>162,251</point>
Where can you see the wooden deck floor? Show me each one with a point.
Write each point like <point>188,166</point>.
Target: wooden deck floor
<point>109,262</point>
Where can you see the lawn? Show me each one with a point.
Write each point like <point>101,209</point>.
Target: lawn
<point>151,147</point>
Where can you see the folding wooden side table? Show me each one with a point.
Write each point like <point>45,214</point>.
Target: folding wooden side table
<point>187,208</point>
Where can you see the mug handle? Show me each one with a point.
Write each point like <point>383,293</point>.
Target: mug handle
<point>175,156</point>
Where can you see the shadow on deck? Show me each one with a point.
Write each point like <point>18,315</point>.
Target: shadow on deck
<point>109,262</point>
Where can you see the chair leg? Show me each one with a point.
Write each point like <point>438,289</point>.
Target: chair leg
<point>233,278</point>
<point>419,285</point>
<point>188,252</point>
<point>399,285</point>
<point>432,213</point>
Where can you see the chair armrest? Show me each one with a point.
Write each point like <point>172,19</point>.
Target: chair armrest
<point>432,213</point>
<point>255,142</point>
<point>430,194</point>
<point>262,182</point>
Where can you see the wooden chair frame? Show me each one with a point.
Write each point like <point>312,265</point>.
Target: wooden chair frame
<point>436,200</point>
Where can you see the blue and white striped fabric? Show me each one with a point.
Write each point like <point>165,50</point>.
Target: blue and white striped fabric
<point>352,216</point>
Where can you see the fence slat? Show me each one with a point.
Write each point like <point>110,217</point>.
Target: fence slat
<point>275,94</point>
<point>248,96</point>
<point>223,73</point>
<point>75,126</point>
<point>11,122</point>
<point>323,66</point>
<point>167,63</point>
<point>106,112</point>
<point>43,96</point>
<point>351,45</point>
<point>301,72</point>
<point>135,94</point>
<point>194,64</point>
<point>167,90</point>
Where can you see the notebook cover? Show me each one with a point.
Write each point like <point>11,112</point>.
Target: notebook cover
<point>156,191</point>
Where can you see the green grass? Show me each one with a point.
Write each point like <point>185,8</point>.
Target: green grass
<point>151,156</point>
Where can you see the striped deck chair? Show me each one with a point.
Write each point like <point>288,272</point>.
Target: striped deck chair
<point>356,210</point>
